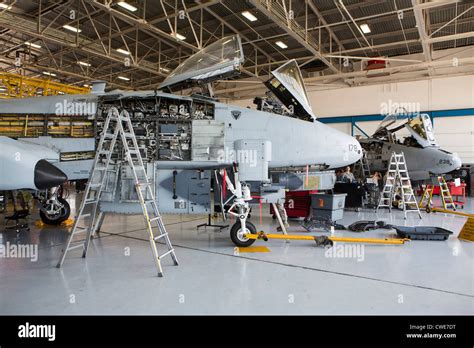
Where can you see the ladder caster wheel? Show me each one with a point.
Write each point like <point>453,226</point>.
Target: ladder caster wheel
<point>237,235</point>
<point>428,209</point>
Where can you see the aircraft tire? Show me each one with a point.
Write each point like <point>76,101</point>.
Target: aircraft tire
<point>56,220</point>
<point>235,234</point>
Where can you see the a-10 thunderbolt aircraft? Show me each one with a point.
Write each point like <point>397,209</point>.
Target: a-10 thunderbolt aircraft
<point>423,155</point>
<point>26,166</point>
<point>187,142</point>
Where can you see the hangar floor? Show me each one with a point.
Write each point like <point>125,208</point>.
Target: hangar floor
<point>420,277</point>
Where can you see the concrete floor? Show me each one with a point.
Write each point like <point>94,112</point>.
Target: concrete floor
<point>420,277</point>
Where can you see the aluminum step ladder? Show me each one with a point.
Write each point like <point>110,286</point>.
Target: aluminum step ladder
<point>398,183</point>
<point>446,198</point>
<point>362,166</point>
<point>117,128</point>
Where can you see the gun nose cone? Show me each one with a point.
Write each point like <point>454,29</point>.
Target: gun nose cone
<point>457,162</point>
<point>47,175</point>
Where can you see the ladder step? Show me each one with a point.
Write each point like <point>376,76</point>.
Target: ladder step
<point>83,216</point>
<point>155,218</point>
<point>76,246</point>
<point>161,236</point>
<point>89,201</point>
<point>167,253</point>
<point>80,230</point>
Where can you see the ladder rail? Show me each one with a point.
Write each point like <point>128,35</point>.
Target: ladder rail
<point>398,180</point>
<point>101,166</point>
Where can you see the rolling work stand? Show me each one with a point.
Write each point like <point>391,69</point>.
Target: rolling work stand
<point>114,130</point>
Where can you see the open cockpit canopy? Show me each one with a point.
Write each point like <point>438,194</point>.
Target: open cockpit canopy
<point>219,60</point>
<point>288,86</point>
<point>419,127</point>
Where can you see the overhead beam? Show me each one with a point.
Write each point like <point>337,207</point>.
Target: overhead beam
<point>142,24</point>
<point>26,26</point>
<point>270,10</point>
<point>422,32</point>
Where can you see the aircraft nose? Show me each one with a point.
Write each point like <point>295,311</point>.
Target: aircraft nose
<point>355,151</point>
<point>457,163</point>
<point>47,175</point>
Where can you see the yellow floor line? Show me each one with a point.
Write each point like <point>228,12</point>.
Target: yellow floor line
<point>254,249</point>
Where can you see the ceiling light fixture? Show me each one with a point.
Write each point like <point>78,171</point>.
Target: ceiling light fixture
<point>127,6</point>
<point>365,28</point>
<point>120,50</point>
<point>281,44</point>
<point>71,28</point>
<point>179,36</point>
<point>84,64</point>
<point>48,73</point>
<point>32,45</point>
<point>249,16</point>
<point>5,6</point>
<point>124,78</point>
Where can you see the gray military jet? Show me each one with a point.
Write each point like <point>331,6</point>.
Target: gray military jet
<point>28,166</point>
<point>191,144</point>
<point>423,155</point>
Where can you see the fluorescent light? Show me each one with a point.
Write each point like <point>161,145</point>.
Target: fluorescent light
<point>83,63</point>
<point>86,85</point>
<point>127,6</point>
<point>165,70</point>
<point>32,45</point>
<point>48,73</point>
<point>249,16</point>
<point>281,44</point>
<point>124,78</point>
<point>179,36</point>
<point>8,7</point>
<point>365,28</point>
<point>123,51</point>
<point>74,29</point>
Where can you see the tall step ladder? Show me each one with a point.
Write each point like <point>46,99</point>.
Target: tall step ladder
<point>117,128</point>
<point>362,166</point>
<point>398,183</point>
<point>446,198</point>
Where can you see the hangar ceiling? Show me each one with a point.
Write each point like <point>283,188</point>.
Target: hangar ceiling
<point>137,44</point>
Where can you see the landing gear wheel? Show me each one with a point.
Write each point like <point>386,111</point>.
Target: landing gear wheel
<point>56,219</point>
<point>237,235</point>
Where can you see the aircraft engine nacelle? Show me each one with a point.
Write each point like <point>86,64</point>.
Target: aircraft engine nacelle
<point>23,166</point>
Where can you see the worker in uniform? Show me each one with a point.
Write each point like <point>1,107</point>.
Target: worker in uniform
<point>348,176</point>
